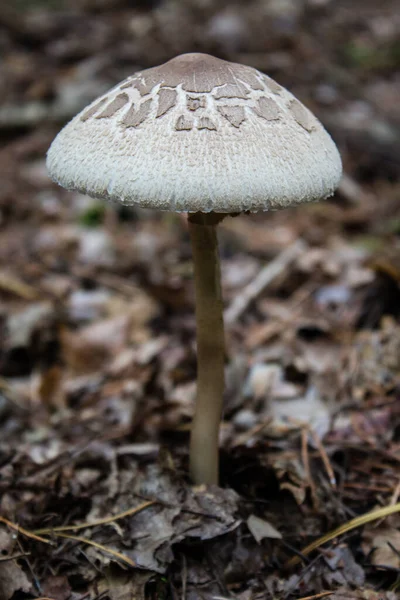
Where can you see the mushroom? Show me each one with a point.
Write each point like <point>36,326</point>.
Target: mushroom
<point>207,137</point>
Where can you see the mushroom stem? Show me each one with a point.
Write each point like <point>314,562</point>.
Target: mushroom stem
<point>210,349</point>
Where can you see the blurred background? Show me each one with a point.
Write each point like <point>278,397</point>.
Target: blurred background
<point>96,302</point>
<point>341,58</point>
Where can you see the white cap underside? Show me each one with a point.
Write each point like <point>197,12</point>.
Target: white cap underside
<point>219,154</point>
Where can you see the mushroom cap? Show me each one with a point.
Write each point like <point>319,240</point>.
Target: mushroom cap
<point>197,134</point>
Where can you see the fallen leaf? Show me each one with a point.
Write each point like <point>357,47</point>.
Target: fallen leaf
<point>261,529</point>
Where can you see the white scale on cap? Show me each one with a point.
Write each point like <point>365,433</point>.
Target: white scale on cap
<point>197,134</point>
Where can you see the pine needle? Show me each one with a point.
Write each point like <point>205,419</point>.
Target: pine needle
<point>380,513</point>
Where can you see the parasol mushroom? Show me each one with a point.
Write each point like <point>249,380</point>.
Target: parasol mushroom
<point>208,137</point>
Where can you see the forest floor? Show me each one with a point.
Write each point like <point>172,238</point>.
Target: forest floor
<point>97,328</point>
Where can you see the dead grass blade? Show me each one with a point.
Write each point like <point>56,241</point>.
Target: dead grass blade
<point>118,555</point>
<point>28,534</point>
<point>105,521</point>
<point>380,513</point>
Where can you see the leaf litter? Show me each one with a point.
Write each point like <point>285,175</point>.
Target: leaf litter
<point>97,357</point>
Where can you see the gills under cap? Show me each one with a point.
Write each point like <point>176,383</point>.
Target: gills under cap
<point>197,134</point>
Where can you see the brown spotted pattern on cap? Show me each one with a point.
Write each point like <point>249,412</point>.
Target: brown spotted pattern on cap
<point>206,123</point>
<point>235,115</point>
<point>197,134</point>
<point>204,92</point>
<point>272,85</point>
<point>166,100</point>
<point>303,116</point>
<point>267,109</point>
<point>114,106</point>
<point>196,102</point>
<point>90,112</point>
<point>231,90</point>
<point>183,123</point>
<point>136,116</point>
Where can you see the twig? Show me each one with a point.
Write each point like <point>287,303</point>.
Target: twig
<point>263,279</point>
